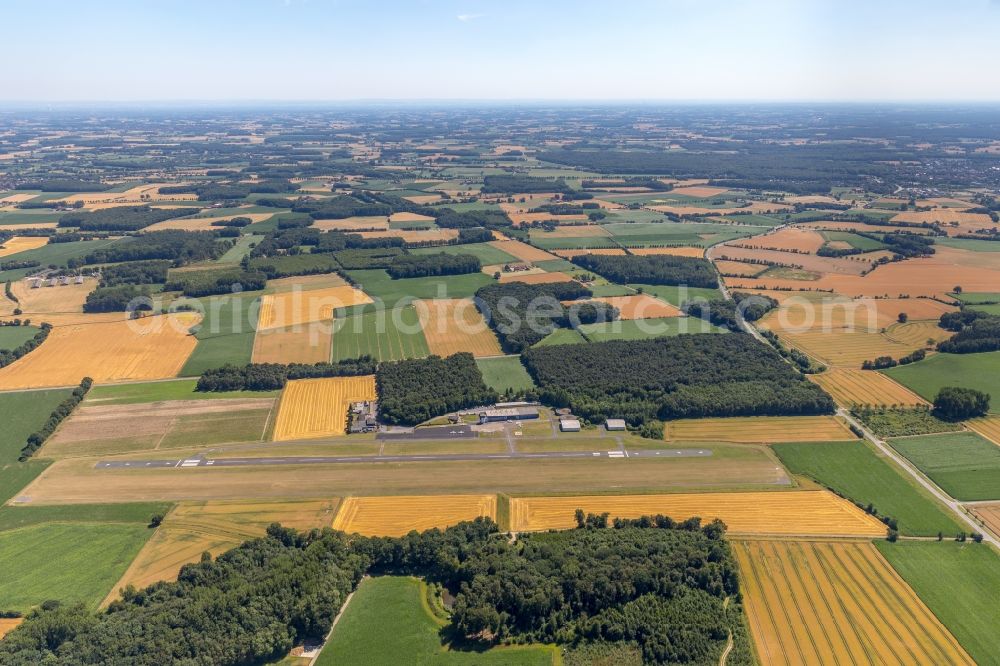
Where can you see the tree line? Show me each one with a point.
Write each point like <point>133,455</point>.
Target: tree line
<point>62,410</point>
<point>273,376</point>
<point>661,269</point>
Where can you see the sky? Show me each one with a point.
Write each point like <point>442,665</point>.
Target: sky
<point>349,50</point>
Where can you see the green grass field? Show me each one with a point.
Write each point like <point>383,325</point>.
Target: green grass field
<point>14,517</point>
<point>960,583</point>
<point>24,412</point>
<point>976,371</point>
<point>378,285</point>
<point>389,622</point>
<point>853,469</point>
<point>970,244</point>
<point>643,329</point>
<point>226,333</point>
<point>561,336</point>
<point>388,335</point>
<point>181,389</point>
<point>54,253</point>
<point>854,240</point>
<point>964,464</point>
<point>239,249</point>
<point>538,239</point>
<point>485,252</point>
<point>15,476</point>
<point>14,336</point>
<point>73,563</point>
<point>677,295</point>
<point>977,297</point>
<point>506,373</point>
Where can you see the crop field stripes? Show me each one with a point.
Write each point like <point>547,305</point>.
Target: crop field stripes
<point>836,602</point>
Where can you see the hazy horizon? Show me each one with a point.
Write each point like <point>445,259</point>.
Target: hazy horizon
<point>446,51</point>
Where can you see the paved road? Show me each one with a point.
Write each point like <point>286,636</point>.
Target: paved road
<point>200,461</point>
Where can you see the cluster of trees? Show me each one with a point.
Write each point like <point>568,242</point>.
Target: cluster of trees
<point>339,207</point>
<point>652,582</point>
<point>976,332</point>
<point>521,314</point>
<point>231,191</point>
<point>118,298</point>
<point>954,403</point>
<point>514,184</point>
<point>649,183</point>
<point>907,245</point>
<point>415,390</point>
<point>652,269</point>
<point>363,259</point>
<point>427,265</point>
<point>180,247</point>
<point>65,185</point>
<point>686,376</point>
<point>62,410</point>
<point>136,272</point>
<point>448,218</point>
<point>883,362</point>
<point>238,222</point>
<point>119,218</point>
<point>473,235</point>
<point>273,376</point>
<point>291,264</point>
<point>725,313</point>
<point>8,356</point>
<point>209,283</point>
<point>16,264</point>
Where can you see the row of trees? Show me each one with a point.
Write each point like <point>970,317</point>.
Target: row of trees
<point>8,356</point>
<point>62,410</point>
<point>653,582</point>
<point>415,390</point>
<point>651,269</point>
<point>273,376</point>
<point>685,376</point>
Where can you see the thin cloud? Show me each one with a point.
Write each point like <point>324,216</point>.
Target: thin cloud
<point>465,18</point>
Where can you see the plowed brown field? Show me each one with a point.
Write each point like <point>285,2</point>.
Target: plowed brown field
<point>837,603</point>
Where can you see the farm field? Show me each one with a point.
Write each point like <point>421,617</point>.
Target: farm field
<point>846,348</point>
<point>455,325</point>
<point>76,481</point>
<point>677,295</point>
<point>792,513</point>
<point>301,343</point>
<point>927,377</point>
<point>318,407</point>
<point>155,348</point>
<point>505,373</point>
<point>988,513</point>
<point>377,284</point>
<point>225,334</point>
<point>642,329</point>
<point>759,429</point>
<point>291,308</point>
<point>960,584</point>
<point>96,429</point>
<point>44,300</point>
<point>54,253</point>
<point>74,563</point>
<point>397,515</point>
<point>640,306</point>
<point>386,335</point>
<point>815,602</point>
<point>192,528</point>
<point>561,336</point>
<point>388,622</point>
<point>24,413</point>
<point>987,426</point>
<point>22,244</point>
<point>864,387</point>
<point>965,465</point>
<point>854,470</point>
<point>487,253</point>
<point>522,251</point>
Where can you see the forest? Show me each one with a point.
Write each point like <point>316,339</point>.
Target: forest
<point>511,184</point>
<point>976,332</point>
<point>180,247</point>
<point>521,314</point>
<point>415,390</point>
<point>119,218</point>
<point>136,272</point>
<point>654,584</point>
<point>687,376</point>
<point>651,269</point>
<point>273,376</point>
<point>725,313</point>
<point>428,265</point>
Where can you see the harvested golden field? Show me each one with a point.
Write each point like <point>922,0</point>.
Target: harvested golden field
<point>318,407</point>
<point>140,194</point>
<point>31,225</point>
<point>954,220</point>
<point>851,348</point>
<point>699,191</point>
<point>788,238</point>
<point>759,429</point>
<point>832,225</point>
<point>791,513</point>
<point>353,224</point>
<point>205,223</point>
<point>836,603</point>
<point>149,348</point>
<point>453,325</point>
<point>192,528</point>
<point>808,262</point>
<point>697,252</point>
<point>522,251</point>
<point>610,251</point>
<point>641,306</point>
<point>989,513</point>
<point>988,427</point>
<point>290,308</point>
<point>59,299</point>
<point>303,343</point>
<point>9,624</point>
<point>423,199</point>
<point>573,231</point>
<point>754,207</point>
<point>806,311</point>
<point>410,217</point>
<point>306,282</point>
<point>864,387</point>
<point>420,236</point>
<point>17,198</point>
<point>520,219</point>
<point>535,278</point>
<point>739,268</point>
<point>21,244</point>
<point>396,516</point>
<point>74,318</point>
